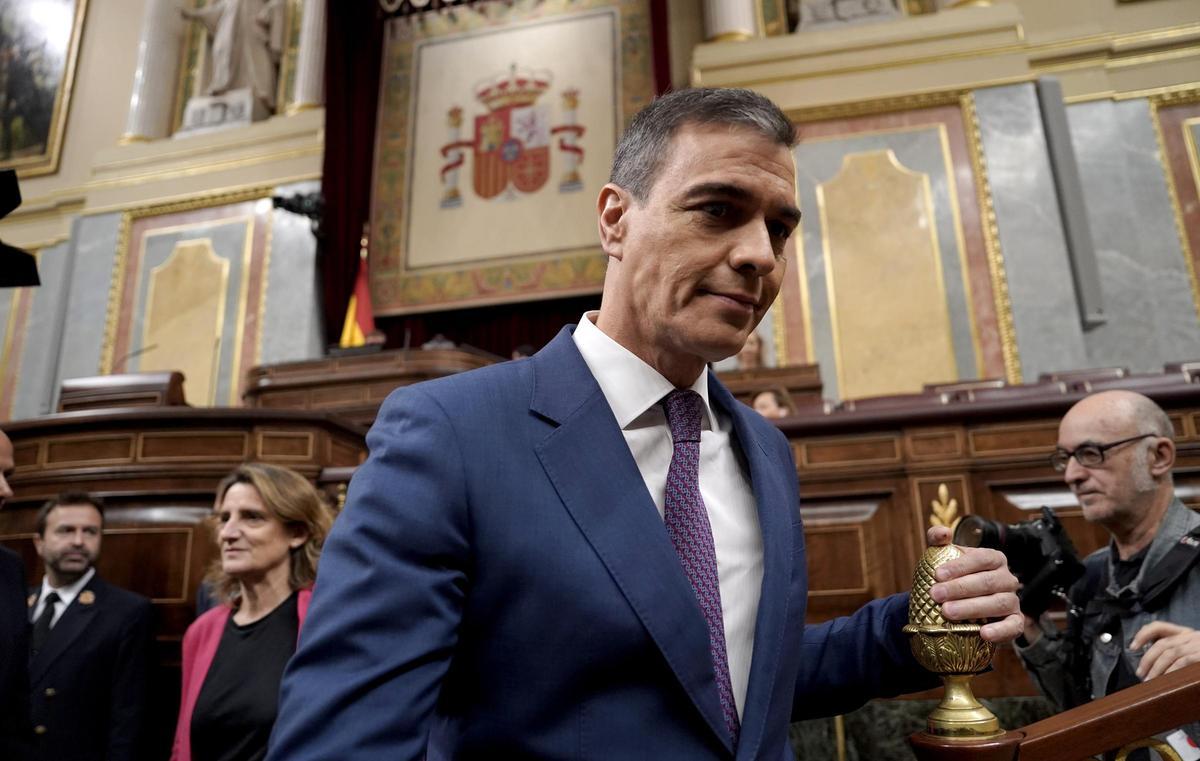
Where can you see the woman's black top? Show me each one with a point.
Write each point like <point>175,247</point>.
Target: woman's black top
<point>239,699</point>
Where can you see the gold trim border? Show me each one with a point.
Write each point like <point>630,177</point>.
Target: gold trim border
<point>121,265</point>
<point>573,271</point>
<point>1178,97</point>
<point>991,239</point>
<point>47,163</point>
<point>964,98</point>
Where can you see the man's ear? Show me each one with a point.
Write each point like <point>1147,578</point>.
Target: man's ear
<point>611,207</point>
<point>1162,457</point>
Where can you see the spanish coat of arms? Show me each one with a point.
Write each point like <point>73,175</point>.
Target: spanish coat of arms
<point>512,141</point>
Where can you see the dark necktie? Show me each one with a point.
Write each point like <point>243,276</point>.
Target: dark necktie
<point>687,525</point>
<point>41,627</point>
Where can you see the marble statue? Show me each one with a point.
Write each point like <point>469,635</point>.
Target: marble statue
<point>246,40</point>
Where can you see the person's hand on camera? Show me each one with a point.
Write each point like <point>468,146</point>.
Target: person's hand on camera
<point>977,585</point>
<point>1171,647</point>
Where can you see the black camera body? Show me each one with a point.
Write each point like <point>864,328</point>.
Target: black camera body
<point>1039,553</point>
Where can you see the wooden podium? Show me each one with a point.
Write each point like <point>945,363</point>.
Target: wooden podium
<point>354,385</point>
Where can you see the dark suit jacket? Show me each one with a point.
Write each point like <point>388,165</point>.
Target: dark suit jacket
<point>89,683</point>
<point>14,646</point>
<point>502,586</point>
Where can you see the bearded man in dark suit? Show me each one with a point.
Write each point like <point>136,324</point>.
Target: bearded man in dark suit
<point>90,644</point>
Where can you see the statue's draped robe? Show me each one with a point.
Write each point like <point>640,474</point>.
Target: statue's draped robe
<point>247,39</point>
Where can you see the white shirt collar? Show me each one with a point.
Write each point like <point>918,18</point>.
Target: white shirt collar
<point>68,593</point>
<point>630,386</point>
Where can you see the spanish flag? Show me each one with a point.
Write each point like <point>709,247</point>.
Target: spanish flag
<point>360,320</point>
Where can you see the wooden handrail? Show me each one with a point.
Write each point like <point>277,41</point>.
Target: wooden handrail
<point>1143,710</point>
<point>1110,723</point>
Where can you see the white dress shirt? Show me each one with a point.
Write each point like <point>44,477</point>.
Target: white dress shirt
<point>66,596</point>
<point>633,390</point>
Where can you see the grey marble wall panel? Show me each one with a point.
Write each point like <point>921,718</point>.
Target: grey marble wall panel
<point>94,239</point>
<point>921,150</point>
<point>1034,249</point>
<point>292,324</point>
<point>1146,286</point>
<point>36,386</point>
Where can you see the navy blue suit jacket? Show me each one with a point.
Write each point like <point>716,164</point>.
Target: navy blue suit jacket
<point>89,682</point>
<point>501,585</point>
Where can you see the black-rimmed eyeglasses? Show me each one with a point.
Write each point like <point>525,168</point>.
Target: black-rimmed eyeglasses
<point>1089,455</point>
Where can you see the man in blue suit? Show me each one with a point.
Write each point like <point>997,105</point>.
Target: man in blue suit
<point>597,552</point>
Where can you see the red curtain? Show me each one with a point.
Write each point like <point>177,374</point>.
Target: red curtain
<point>353,54</point>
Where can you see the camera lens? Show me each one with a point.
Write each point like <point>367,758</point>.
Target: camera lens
<point>973,531</point>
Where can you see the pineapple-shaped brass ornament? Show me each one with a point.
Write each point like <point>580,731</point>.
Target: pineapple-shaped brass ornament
<point>954,651</point>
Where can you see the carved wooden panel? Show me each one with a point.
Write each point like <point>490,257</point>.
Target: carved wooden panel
<point>934,444</point>
<point>860,450</point>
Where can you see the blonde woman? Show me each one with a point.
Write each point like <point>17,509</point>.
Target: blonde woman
<point>271,524</point>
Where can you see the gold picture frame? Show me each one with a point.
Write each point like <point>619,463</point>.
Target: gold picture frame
<point>42,51</point>
<point>772,18</point>
<point>444,235</point>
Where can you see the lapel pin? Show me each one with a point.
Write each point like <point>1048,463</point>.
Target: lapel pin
<point>87,597</point>
<point>32,600</point>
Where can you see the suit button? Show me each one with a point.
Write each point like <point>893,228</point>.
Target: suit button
<point>1106,638</point>
<point>40,729</point>
<point>51,692</point>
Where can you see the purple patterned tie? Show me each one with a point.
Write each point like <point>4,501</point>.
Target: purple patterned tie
<point>690,532</point>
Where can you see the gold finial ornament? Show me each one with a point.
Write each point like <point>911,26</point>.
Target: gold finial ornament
<point>954,651</point>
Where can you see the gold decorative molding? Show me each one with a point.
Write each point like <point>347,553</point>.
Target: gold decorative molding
<point>191,64</point>
<point>1161,747</point>
<point>777,24</point>
<point>1189,139</point>
<point>779,333</point>
<point>875,106</point>
<point>734,35</point>
<point>961,243</point>
<point>10,365</point>
<point>991,238</point>
<point>301,107</point>
<point>268,242</point>
<point>108,347</point>
<point>286,86</point>
<point>810,351</point>
<point>914,296</point>
<point>185,301</point>
<point>207,167</point>
<point>1179,97</point>
<point>944,509</point>
<point>123,240</point>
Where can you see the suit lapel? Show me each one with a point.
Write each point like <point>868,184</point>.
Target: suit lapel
<point>775,519</point>
<point>591,468</point>
<point>74,620</point>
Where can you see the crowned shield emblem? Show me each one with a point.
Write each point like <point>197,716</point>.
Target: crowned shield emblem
<point>512,142</point>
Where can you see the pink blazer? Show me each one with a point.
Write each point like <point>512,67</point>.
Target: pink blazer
<point>199,647</point>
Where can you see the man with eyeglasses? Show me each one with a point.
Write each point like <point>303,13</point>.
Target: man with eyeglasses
<point>1135,614</point>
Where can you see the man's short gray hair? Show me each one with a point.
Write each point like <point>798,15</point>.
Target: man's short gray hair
<point>643,146</point>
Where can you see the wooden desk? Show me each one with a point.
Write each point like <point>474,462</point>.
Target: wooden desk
<point>871,471</point>
<point>354,385</point>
